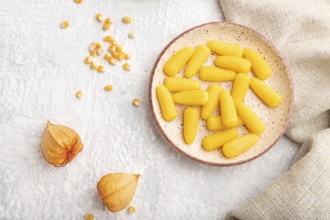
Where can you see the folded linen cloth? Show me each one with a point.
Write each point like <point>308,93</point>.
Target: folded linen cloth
<point>300,29</point>
<point>301,193</point>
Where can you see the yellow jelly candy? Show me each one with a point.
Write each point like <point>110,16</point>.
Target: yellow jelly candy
<point>166,103</point>
<point>191,97</point>
<point>212,103</point>
<point>237,64</point>
<point>215,74</point>
<point>240,87</point>
<point>176,84</point>
<point>235,147</point>
<point>228,110</point>
<point>199,57</point>
<point>260,67</point>
<point>250,119</point>
<point>266,93</point>
<point>214,123</point>
<point>222,48</point>
<point>190,124</point>
<point>217,140</point>
<point>178,60</point>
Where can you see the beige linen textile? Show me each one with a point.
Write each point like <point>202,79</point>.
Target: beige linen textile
<point>301,193</point>
<point>300,29</point>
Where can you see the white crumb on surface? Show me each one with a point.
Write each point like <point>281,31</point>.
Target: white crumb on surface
<point>41,68</point>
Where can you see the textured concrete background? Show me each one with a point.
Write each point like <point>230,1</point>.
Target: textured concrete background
<point>41,67</point>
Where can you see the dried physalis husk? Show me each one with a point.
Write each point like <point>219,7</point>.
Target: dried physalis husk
<point>60,144</point>
<point>117,190</point>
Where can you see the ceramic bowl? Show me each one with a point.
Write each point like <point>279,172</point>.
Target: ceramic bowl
<point>276,120</point>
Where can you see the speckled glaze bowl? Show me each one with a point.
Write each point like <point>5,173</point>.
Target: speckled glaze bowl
<point>276,120</point>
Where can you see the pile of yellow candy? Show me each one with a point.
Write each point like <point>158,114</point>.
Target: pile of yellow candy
<point>233,63</point>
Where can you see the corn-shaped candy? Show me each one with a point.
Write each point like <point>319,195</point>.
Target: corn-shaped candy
<point>215,74</point>
<point>235,147</point>
<point>166,103</point>
<point>213,102</point>
<point>266,93</point>
<point>214,123</point>
<point>222,48</point>
<point>228,110</point>
<point>217,140</point>
<point>176,84</point>
<point>191,97</point>
<point>233,63</point>
<point>250,119</point>
<point>240,87</point>
<point>260,67</point>
<point>199,57</point>
<point>177,61</point>
<point>190,124</point>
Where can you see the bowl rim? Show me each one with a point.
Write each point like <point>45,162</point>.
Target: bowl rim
<point>176,148</point>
